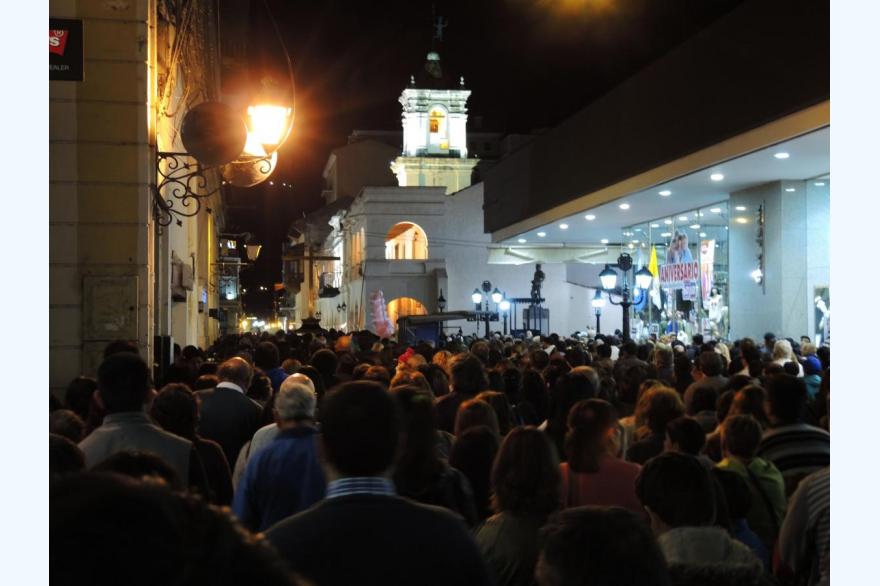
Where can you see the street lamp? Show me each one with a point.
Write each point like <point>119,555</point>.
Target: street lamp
<point>504,306</point>
<point>598,303</point>
<point>477,297</point>
<point>496,296</point>
<point>642,278</point>
<point>441,302</point>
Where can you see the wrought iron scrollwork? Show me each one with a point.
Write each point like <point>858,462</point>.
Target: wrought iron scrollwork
<point>182,187</point>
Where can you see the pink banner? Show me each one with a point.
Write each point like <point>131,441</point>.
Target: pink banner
<point>676,276</point>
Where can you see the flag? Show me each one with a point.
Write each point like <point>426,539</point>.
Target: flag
<point>655,282</point>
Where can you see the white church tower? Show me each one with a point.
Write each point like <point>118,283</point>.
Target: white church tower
<point>435,152</point>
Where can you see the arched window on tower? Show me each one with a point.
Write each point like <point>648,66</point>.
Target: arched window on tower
<point>406,241</point>
<point>438,126</point>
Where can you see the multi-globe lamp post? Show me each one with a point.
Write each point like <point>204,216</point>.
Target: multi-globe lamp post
<point>608,278</point>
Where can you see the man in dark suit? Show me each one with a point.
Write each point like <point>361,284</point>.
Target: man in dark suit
<point>227,415</point>
<point>362,532</point>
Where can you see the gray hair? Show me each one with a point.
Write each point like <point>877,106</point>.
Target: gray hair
<point>295,401</point>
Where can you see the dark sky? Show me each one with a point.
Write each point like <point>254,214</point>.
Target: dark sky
<point>529,63</point>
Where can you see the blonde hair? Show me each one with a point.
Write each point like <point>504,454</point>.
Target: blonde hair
<point>782,349</point>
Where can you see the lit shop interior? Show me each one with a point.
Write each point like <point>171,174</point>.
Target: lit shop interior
<point>737,249</point>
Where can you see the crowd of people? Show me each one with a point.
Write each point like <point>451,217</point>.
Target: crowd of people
<point>336,458</point>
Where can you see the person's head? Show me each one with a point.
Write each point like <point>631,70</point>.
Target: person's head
<point>206,381</point>
<point>629,350</point>
<point>782,350</point>
<point>378,374</point>
<point>769,340</point>
<point>359,429</point>
<point>120,346</point>
<point>736,492</point>
<point>68,424</point>
<point>740,436</point>
<point>480,349</point>
<point>326,362</point>
<point>786,398</point>
<point>419,460</point>
<point>65,457</point>
<point>750,400</point>
<point>525,475</point>
<point>296,401</point>
<point>710,363</point>
<point>101,527</point>
<point>266,356</point>
<point>682,368</point>
<point>123,382</point>
<point>410,377</point>
<point>662,357</point>
<point>290,365</point>
<point>436,378</point>
<point>657,407</point>
<point>685,435</point>
<point>468,376</point>
<point>812,366</point>
<point>599,546</point>
<point>475,412</point>
<point>236,371</point>
<point>78,395</point>
<point>176,409</point>
<point>592,433</point>
<point>677,491</point>
<point>140,465</point>
<point>499,403</point>
<point>698,340</point>
<point>260,389</point>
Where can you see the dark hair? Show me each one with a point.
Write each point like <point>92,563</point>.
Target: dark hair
<point>474,412</point>
<point>698,339</point>
<point>67,423</point>
<point>378,374</point>
<point>688,434</point>
<point>65,457</point>
<point>467,372</point>
<point>123,382</point>
<point>534,390</point>
<point>419,461</point>
<point>525,475</point>
<point>704,399</point>
<point>78,395</point>
<point>657,407</point>
<point>787,396</point>
<point>176,410</point>
<point>101,526</point>
<point>710,363</point>
<point>595,546</point>
<point>359,428</point>
<point>791,368</point>
<point>736,492</point>
<point>588,422</point>
<point>266,356</point>
<point>326,362</point>
<point>569,389</point>
<point>740,436</point>
<point>206,381</point>
<point>499,403</point>
<point>738,381</point>
<point>120,346</point>
<point>473,454</point>
<point>678,489</point>
<point>749,400</point>
<point>436,377</point>
<point>604,351</point>
<point>539,359</point>
<point>139,465</point>
<point>260,389</point>
<point>682,366</point>
<point>723,405</point>
<point>629,348</point>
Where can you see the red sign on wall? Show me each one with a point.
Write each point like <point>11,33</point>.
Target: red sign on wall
<point>65,49</point>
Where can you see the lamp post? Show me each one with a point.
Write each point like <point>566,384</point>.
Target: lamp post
<point>477,297</point>
<point>598,303</point>
<point>504,306</point>
<point>441,302</point>
<point>642,278</point>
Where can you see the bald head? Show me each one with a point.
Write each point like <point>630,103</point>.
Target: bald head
<point>236,370</point>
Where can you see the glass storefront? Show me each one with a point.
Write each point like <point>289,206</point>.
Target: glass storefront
<point>688,255</point>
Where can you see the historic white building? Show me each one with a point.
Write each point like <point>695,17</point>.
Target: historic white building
<point>425,235</point>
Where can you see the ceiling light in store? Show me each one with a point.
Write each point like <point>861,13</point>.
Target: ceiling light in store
<point>624,206</point>
<point>655,225</point>
<point>716,177</point>
<point>590,217</point>
<point>695,226</point>
<point>683,218</point>
<point>667,222</point>
<point>563,226</point>
<point>819,184</point>
<point>789,189</point>
<point>627,233</point>
<point>742,220</point>
<point>781,155</point>
<point>635,241</point>
<point>702,234</point>
<point>522,240</point>
<point>666,234</point>
<point>665,193</point>
<point>715,210</point>
<point>740,208</point>
<point>638,229</point>
<point>631,246</point>
<point>541,234</point>
<point>604,241</point>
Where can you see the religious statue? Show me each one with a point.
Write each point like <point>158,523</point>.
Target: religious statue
<point>537,281</point>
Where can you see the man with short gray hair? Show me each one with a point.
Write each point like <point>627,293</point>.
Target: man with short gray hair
<point>285,477</point>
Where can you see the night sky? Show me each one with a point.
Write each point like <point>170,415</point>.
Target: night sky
<point>529,63</point>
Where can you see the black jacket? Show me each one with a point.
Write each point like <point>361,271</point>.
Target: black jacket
<point>229,418</point>
<point>375,539</point>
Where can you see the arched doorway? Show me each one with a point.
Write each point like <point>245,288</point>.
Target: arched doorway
<point>404,306</point>
<point>406,241</point>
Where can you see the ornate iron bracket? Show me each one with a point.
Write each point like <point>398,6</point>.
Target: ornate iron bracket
<point>184,182</point>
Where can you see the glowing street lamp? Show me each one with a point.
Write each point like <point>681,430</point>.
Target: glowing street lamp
<point>642,278</point>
